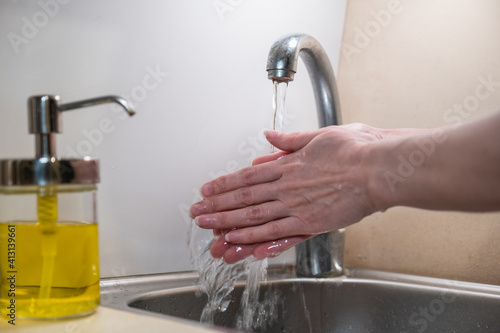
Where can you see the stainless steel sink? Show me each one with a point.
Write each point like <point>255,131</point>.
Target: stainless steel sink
<point>361,301</point>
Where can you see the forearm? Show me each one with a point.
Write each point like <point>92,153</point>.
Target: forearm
<point>383,133</point>
<point>400,132</point>
<point>452,168</point>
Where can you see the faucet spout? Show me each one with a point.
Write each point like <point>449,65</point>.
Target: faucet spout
<point>321,256</point>
<point>282,66</point>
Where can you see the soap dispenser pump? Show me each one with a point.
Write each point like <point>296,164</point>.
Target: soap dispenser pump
<point>49,266</point>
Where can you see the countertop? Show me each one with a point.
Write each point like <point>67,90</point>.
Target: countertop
<point>105,320</point>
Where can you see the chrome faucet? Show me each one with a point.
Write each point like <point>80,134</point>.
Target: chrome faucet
<point>321,256</point>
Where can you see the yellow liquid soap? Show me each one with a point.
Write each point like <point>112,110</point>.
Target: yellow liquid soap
<point>54,270</point>
<point>47,217</point>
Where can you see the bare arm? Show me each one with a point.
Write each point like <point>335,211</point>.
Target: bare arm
<point>451,168</point>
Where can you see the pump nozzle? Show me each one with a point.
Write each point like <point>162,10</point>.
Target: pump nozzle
<point>44,116</point>
<point>96,101</point>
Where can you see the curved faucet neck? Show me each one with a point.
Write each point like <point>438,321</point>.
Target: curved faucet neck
<point>322,255</point>
<point>282,66</point>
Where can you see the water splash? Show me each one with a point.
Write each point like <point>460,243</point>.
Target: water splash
<point>217,279</point>
<point>255,314</point>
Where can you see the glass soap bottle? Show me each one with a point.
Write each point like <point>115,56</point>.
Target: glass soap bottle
<point>49,261</point>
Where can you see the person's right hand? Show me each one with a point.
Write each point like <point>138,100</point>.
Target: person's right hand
<point>327,179</point>
<point>314,185</point>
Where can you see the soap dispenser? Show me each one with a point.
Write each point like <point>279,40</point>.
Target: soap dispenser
<point>49,262</point>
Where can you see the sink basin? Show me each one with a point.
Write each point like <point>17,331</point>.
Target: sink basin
<point>361,301</point>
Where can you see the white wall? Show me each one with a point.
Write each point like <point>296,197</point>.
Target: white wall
<point>210,97</point>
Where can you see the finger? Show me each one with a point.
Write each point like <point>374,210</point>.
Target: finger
<point>290,142</point>
<point>238,252</point>
<point>269,158</point>
<point>251,175</point>
<point>242,197</point>
<point>219,247</point>
<point>218,232</point>
<point>278,229</point>
<point>243,217</point>
<point>275,248</point>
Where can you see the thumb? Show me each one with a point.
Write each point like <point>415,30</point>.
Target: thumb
<point>269,158</point>
<point>289,142</point>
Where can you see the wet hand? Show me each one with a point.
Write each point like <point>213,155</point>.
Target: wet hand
<point>314,185</point>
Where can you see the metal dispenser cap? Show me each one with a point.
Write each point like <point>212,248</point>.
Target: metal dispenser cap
<point>44,118</point>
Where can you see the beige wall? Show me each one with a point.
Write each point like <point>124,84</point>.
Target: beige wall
<point>415,64</point>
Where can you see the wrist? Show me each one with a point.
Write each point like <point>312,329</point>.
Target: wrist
<point>377,165</point>
<point>400,132</point>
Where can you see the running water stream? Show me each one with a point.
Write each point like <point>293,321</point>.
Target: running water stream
<point>279,110</point>
<point>217,279</point>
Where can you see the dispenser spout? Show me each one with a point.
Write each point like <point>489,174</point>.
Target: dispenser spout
<point>99,100</point>
<point>44,115</point>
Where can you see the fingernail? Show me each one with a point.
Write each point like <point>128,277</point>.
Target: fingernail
<point>233,237</point>
<point>206,221</point>
<point>270,134</point>
<point>202,221</point>
<point>195,210</point>
<point>207,190</point>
